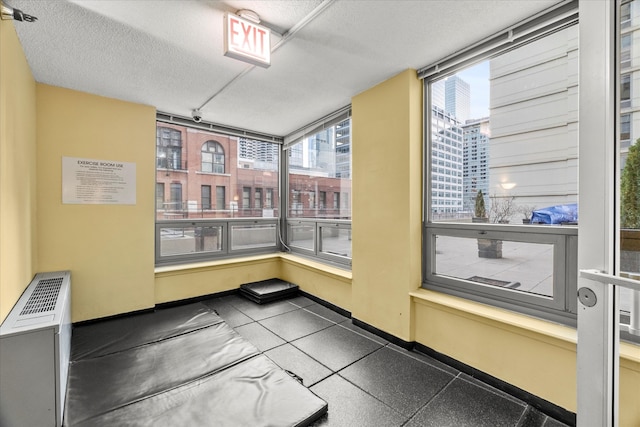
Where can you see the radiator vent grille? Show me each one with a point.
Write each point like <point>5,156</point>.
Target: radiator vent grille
<point>44,296</point>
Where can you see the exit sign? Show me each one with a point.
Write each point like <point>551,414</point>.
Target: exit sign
<point>246,41</point>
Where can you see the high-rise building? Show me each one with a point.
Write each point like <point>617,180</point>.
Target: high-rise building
<point>629,99</point>
<point>437,94</point>
<point>534,126</point>
<point>446,162</point>
<point>254,154</point>
<point>450,105</point>
<point>343,149</point>
<point>475,169</point>
<point>457,95</point>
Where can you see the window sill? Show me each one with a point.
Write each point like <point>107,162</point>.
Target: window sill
<point>541,330</point>
<point>319,267</point>
<point>212,173</point>
<point>170,270</point>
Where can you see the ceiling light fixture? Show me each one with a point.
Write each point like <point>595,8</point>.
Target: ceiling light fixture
<point>7,12</point>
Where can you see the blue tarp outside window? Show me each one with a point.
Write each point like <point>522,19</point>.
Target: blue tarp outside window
<point>559,214</point>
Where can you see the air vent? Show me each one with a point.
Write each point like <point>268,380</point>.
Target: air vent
<point>35,346</point>
<point>44,296</point>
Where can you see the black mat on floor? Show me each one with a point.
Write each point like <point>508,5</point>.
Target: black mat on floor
<point>200,373</point>
<point>267,291</point>
<point>110,336</point>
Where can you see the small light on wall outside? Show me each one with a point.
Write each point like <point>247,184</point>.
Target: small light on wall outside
<point>508,185</point>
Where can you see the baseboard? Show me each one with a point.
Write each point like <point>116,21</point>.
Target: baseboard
<point>407,345</point>
<point>327,304</point>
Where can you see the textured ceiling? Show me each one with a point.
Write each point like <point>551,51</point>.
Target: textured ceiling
<point>169,54</point>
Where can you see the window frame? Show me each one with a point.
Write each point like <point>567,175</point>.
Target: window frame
<point>295,201</point>
<point>316,251</point>
<point>205,194</point>
<point>179,221</point>
<point>562,307</point>
<point>226,251</point>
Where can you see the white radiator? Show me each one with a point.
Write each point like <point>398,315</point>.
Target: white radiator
<point>35,345</point>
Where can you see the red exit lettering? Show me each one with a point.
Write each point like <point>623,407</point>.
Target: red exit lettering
<point>247,38</point>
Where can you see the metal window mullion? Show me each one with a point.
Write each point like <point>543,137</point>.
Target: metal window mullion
<point>559,273</point>
<point>317,244</point>
<point>283,193</point>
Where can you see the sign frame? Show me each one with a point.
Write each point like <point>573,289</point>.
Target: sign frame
<point>246,41</point>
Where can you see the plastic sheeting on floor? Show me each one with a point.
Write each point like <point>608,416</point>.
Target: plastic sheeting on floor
<point>179,366</point>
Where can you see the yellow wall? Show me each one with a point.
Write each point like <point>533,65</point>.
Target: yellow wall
<point>387,202</point>
<point>108,248</point>
<point>18,261</point>
<point>189,281</point>
<point>328,283</point>
<point>534,355</point>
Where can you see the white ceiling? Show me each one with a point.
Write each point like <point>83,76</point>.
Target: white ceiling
<point>169,54</point>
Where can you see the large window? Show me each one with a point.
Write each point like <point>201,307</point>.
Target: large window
<point>320,164</point>
<point>502,169</point>
<point>168,148</point>
<point>190,224</point>
<point>629,150</point>
<point>206,196</point>
<point>212,157</point>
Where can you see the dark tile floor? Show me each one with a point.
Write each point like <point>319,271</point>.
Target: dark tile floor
<point>366,380</point>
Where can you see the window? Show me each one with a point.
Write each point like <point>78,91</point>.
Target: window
<point>625,91</point>
<point>320,163</point>
<point>268,201</point>
<point>159,196</point>
<point>246,198</point>
<point>189,227</point>
<point>628,155</point>
<point>168,148</point>
<point>220,197</point>
<point>205,197</point>
<point>212,157</point>
<point>257,198</point>
<point>176,196</point>
<point>502,131</point>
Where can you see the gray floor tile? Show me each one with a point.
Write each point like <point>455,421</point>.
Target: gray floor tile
<point>426,359</point>
<point>231,315</point>
<point>532,418</point>
<point>553,423</point>
<point>360,331</point>
<point>336,347</point>
<point>295,324</point>
<point>351,407</point>
<point>402,382</point>
<point>487,387</point>
<point>263,311</point>
<point>259,336</point>
<point>327,313</point>
<point>291,359</point>
<point>301,301</point>
<point>463,404</point>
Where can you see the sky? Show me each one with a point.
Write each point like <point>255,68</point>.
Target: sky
<point>478,78</point>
